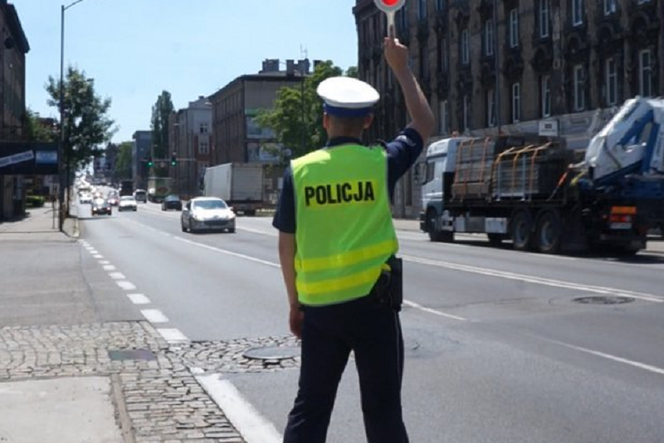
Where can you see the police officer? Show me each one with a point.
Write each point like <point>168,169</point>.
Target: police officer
<point>336,238</point>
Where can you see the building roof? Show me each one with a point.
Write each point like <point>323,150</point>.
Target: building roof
<point>14,24</point>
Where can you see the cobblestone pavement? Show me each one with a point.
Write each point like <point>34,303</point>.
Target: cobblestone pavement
<point>273,354</point>
<point>162,399</point>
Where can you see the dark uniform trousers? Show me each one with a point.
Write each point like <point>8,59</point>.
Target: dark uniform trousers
<point>329,333</point>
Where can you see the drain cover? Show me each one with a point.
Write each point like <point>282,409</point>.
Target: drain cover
<point>604,300</point>
<point>131,354</point>
<point>272,353</point>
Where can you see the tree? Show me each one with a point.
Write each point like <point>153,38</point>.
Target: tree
<point>37,129</point>
<point>86,123</point>
<point>297,115</point>
<point>123,161</point>
<point>161,110</point>
<point>352,72</point>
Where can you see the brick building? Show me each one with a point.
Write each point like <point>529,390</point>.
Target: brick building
<point>13,48</point>
<point>191,141</point>
<point>509,66</point>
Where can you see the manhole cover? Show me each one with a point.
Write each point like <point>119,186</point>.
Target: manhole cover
<point>604,300</point>
<point>272,353</point>
<point>131,354</point>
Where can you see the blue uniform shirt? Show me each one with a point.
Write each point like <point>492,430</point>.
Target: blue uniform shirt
<point>402,152</point>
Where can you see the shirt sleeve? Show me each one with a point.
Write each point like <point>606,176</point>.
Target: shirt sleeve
<point>284,217</point>
<point>402,153</point>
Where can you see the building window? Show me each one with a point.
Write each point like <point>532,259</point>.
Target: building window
<point>514,28</point>
<point>488,37</point>
<point>402,23</point>
<point>577,12</point>
<point>422,10</point>
<point>491,108</point>
<point>609,7</point>
<point>440,5</point>
<point>466,112</point>
<point>424,61</point>
<point>516,102</point>
<point>442,55</point>
<point>465,47</point>
<point>544,8</point>
<point>645,73</point>
<point>545,95</point>
<point>611,82</point>
<point>204,128</point>
<point>579,88</point>
<point>203,148</point>
<point>443,117</point>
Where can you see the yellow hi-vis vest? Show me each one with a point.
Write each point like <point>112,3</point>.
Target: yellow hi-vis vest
<point>344,230</point>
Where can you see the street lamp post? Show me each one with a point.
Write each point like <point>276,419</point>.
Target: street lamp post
<point>61,153</point>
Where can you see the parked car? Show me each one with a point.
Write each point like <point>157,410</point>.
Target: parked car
<point>141,195</point>
<point>171,202</point>
<point>207,213</point>
<point>127,203</point>
<point>101,206</point>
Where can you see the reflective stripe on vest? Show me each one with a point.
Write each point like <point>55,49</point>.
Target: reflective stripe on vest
<point>344,224</point>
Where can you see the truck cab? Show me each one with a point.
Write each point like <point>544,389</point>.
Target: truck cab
<point>437,177</point>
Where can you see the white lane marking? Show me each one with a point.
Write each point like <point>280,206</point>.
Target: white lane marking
<point>116,275</point>
<point>172,335</point>
<point>98,256</point>
<point>535,280</point>
<point>231,253</point>
<point>93,251</point>
<point>154,316</point>
<point>138,299</point>
<point>257,231</point>
<point>127,286</point>
<point>636,364</point>
<point>433,311</point>
<point>109,268</point>
<point>253,427</point>
<point>104,262</point>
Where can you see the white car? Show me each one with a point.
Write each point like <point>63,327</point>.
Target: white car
<point>207,213</point>
<point>127,203</point>
<point>85,197</point>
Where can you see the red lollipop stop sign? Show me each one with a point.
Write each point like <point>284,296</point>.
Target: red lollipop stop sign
<point>389,7</point>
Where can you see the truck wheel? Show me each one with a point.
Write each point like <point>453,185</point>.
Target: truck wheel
<point>434,234</point>
<point>549,232</point>
<point>521,230</point>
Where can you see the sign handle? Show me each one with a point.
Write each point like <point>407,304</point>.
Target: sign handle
<point>390,23</point>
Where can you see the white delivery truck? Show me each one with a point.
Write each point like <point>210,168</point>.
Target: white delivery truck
<point>239,184</point>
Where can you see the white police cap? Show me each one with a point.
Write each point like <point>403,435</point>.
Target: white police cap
<point>347,96</point>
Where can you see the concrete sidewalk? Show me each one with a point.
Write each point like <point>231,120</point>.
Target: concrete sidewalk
<point>66,376</point>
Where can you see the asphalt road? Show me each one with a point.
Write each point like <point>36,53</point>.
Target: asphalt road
<point>502,346</point>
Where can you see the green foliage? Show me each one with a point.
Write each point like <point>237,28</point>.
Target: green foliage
<point>123,161</point>
<point>36,131</point>
<point>86,121</point>
<point>297,116</point>
<point>34,201</point>
<point>352,72</point>
<point>161,110</point>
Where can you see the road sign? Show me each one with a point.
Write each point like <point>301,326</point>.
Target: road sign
<point>389,7</point>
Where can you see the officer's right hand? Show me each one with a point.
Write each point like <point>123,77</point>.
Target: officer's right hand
<point>396,54</point>
<point>295,319</point>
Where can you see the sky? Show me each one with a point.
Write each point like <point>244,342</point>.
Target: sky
<point>135,49</point>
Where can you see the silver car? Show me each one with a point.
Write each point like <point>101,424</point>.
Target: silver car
<point>207,214</point>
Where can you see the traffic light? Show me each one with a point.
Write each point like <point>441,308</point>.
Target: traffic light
<point>150,162</point>
<point>174,160</point>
